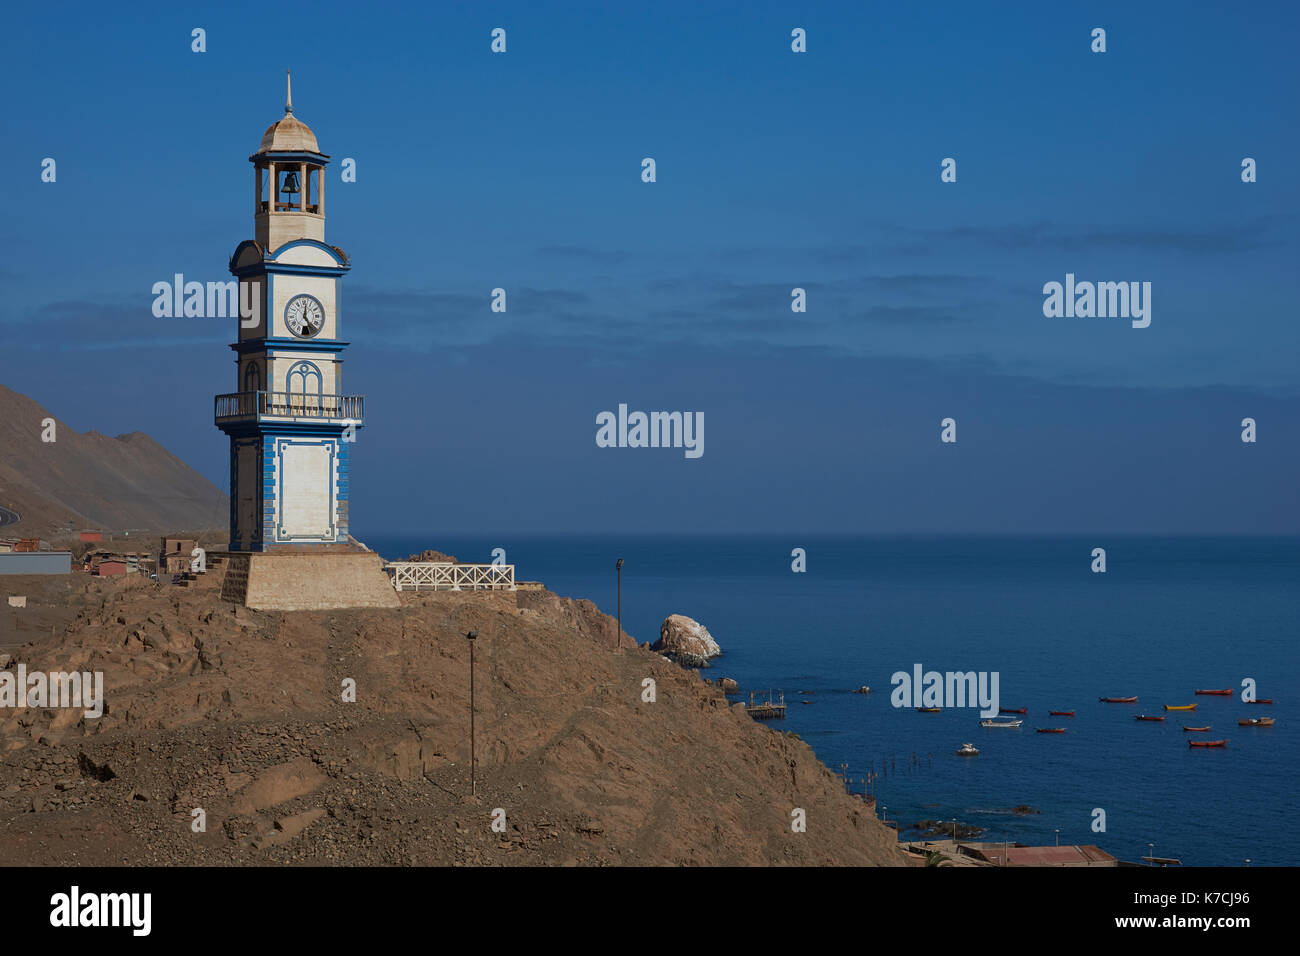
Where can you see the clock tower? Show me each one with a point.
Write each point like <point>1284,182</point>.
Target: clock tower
<point>289,423</point>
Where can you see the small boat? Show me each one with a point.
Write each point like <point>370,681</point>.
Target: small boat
<point>1118,700</point>
<point>1262,700</point>
<point>1207,743</point>
<point>994,722</point>
<point>1013,710</point>
<point>1051,730</point>
<point>1255,722</point>
<point>1060,713</point>
<point>1147,717</point>
<point>1215,693</point>
<point>1197,730</point>
<point>968,750</point>
<point>928,710</point>
<point>1180,706</point>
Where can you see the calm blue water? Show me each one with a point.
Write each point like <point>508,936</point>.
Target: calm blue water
<point>1170,615</point>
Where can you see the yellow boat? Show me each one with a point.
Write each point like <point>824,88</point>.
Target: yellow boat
<point>1180,707</point>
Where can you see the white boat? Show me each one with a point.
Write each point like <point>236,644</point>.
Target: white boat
<point>994,722</point>
<point>968,750</point>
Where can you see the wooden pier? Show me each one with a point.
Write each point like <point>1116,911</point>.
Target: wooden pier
<point>766,709</point>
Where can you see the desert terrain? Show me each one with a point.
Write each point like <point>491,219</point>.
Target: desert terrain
<point>240,714</point>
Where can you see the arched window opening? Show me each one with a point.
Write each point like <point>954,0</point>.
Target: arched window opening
<point>304,384</point>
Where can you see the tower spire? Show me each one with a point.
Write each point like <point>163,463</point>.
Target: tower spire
<point>288,92</point>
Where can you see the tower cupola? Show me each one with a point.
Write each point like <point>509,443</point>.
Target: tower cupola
<point>289,179</point>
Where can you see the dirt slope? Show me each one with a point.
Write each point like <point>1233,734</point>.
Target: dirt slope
<point>239,713</point>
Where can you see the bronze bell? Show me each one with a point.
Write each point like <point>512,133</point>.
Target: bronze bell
<point>290,182</point>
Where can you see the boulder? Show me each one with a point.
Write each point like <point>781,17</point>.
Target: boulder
<point>435,556</point>
<point>686,639</point>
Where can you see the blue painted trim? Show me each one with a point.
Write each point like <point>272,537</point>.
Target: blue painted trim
<point>326,428</point>
<point>290,155</point>
<point>266,260</point>
<point>284,268</point>
<point>278,343</point>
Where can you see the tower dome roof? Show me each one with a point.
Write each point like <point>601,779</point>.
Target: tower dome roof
<point>289,134</point>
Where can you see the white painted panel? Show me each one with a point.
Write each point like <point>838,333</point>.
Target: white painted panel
<point>307,256</point>
<point>306,477</point>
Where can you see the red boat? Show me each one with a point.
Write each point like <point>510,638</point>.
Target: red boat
<point>1215,693</point>
<point>1262,700</point>
<point>1023,710</point>
<point>1118,700</point>
<point>1147,717</point>
<point>1060,713</point>
<point>1197,730</point>
<point>1051,730</point>
<point>1207,743</point>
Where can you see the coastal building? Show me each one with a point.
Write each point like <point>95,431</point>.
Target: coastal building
<point>110,567</point>
<point>36,562</point>
<point>175,555</point>
<point>289,423</point>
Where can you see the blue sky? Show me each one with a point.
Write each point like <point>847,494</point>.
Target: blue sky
<point>775,170</point>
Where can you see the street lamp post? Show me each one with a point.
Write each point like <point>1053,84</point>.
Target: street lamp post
<point>472,636</point>
<point>618,565</point>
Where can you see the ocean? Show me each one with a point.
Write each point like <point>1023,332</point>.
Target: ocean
<point>1169,615</point>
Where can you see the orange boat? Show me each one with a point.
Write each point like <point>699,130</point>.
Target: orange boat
<point>1262,700</point>
<point>1147,717</point>
<point>928,710</point>
<point>1207,743</point>
<point>1060,713</point>
<point>1255,722</point>
<point>1197,730</point>
<point>1180,706</point>
<point>1051,730</point>
<point>1215,693</point>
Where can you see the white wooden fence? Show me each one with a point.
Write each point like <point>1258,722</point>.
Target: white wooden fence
<point>445,576</point>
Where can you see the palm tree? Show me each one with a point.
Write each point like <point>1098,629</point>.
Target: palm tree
<point>937,859</point>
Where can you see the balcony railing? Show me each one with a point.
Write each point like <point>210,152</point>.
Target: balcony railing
<point>288,405</point>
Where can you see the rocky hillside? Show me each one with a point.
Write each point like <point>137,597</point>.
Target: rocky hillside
<point>85,479</point>
<point>242,714</point>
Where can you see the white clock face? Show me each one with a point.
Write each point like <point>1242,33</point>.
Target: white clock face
<point>304,315</point>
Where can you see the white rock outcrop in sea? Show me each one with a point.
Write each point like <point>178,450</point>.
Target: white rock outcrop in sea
<point>686,639</point>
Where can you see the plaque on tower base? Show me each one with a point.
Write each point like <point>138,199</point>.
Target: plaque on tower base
<point>307,581</point>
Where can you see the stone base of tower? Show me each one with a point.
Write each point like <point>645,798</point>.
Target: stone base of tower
<point>306,581</point>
